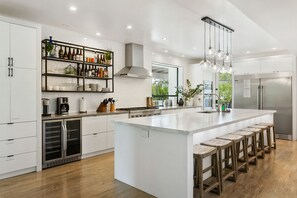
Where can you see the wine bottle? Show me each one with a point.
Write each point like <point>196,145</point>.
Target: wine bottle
<point>73,55</point>
<point>81,56</point>
<point>65,56</point>
<point>90,71</point>
<point>69,54</point>
<point>61,52</point>
<point>77,55</point>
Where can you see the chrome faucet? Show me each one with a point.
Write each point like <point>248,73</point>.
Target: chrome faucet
<point>217,104</point>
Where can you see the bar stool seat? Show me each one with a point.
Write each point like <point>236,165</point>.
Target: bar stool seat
<point>249,135</point>
<point>268,138</point>
<point>270,126</point>
<point>238,140</point>
<point>229,170</point>
<point>259,140</point>
<point>201,186</point>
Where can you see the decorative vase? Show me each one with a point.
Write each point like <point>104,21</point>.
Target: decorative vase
<point>181,102</point>
<point>112,107</point>
<point>189,102</point>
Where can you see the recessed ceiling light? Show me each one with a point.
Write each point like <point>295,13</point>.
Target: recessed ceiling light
<point>182,55</point>
<point>129,27</point>
<point>248,52</point>
<point>164,38</point>
<point>153,53</point>
<point>98,34</point>
<point>85,38</point>
<point>166,51</point>
<point>274,48</point>
<point>73,8</point>
<point>194,48</point>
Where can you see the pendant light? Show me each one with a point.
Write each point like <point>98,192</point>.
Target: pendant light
<point>205,63</point>
<point>220,52</point>
<point>215,66</point>
<point>210,52</point>
<point>227,56</point>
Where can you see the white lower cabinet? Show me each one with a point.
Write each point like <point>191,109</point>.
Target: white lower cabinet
<point>17,147</point>
<point>98,133</point>
<point>17,162</point>
<point>110,139</point>
<point>94,143</point>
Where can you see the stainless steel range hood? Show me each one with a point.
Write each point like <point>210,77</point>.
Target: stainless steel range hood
<point>134,63</point>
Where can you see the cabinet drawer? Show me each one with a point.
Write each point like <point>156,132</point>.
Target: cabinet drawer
<point>110,139</point>
<point>17,130</point>
<point>17,146</point>
<point>93,143</point>
<point>17,162</point>
<point>96,124</point>
<point>111,119</point>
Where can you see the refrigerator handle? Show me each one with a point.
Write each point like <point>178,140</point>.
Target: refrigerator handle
<point>65,138</point>
<point>259,97</point>
<point>262,96</point>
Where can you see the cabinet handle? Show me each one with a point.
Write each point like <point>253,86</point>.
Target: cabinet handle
<point>8,72</point>
<point>10,123</point>
<point>95,133</point>
<point>11,72</point>
<point>9,140</point>
<point>11,61</point>
<point>8,61</point>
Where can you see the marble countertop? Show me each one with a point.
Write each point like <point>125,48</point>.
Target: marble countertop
<point>193,122</point>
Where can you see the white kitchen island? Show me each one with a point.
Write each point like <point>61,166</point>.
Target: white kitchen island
<point>155,154</point>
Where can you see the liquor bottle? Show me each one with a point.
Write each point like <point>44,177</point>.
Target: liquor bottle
<point>105,73</point>
<point>77,55</point>
<point>61,52</point>
<point>104,60</point>
<point>86,71</point>
<point>65,54</point>
<point>90,71</point>
<point>98,58</point>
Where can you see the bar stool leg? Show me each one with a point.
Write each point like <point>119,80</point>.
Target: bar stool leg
<point>268,139</point>
<point>234,162</point>
<point>217,170</point>
<point>255,148</point>
<point>274,138</point>
<point>245,154</point>
<point>200,176</point>
<point>261,136</point>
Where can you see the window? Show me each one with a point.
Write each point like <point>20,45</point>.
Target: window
<point>225,88</point>
<point>166,79</point>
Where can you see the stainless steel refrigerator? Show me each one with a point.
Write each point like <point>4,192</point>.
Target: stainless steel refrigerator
<point>268,92</point>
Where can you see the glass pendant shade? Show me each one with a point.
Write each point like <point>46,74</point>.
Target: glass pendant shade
<point>205,64</point>
<point>210,52</point>
<point>220,55</point>
<point>227,58</point>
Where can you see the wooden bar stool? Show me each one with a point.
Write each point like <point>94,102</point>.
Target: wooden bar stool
<point>242,163</point>
<point>259,141</point>
<point>268,138</point>
<point>251,142</point>
<point>229,170</point>
<point>201,186</point>
<point>271,131</point>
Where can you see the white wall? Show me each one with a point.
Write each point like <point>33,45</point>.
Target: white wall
<point>128,92</point>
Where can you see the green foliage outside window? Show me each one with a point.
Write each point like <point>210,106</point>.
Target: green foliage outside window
<point>160,90</point>
<point>225,88</point>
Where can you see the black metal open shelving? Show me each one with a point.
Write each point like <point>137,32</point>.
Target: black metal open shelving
<point>83,64</point>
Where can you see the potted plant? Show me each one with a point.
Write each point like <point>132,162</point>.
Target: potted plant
<point>49,46</point>
<point>189,92</point>
<point>108,58</point>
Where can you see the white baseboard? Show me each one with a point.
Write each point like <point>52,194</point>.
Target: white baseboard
<point>17,173</point>
<point>96,153</point>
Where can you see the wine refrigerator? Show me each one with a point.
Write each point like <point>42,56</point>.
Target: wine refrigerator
<point>61,142</point>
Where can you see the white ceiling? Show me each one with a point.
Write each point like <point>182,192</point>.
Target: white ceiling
<point>276,17</point>
<point>177,20</point>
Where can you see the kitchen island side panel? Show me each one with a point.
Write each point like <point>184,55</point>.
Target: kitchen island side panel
<point>158,163</point>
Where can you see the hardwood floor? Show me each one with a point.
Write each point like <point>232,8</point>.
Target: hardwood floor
<point>275,176</point>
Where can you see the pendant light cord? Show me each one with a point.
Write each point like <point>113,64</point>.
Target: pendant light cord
<point>204,41</point>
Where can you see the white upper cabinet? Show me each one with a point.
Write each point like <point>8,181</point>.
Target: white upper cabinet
<point>23,96</point>
<point>5,95</point>
<point>247,67</point>
<point>23,46</point>
<point>4,44</point>
<point>268,66</point>
<point>284,64</point>
<point>274,65</point>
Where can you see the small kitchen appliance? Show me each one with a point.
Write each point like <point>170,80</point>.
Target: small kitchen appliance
<point>62,106</point>
<point>45,107</point>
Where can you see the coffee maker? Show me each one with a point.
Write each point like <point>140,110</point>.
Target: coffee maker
<point>62,106</point>
<point>45,107</point>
